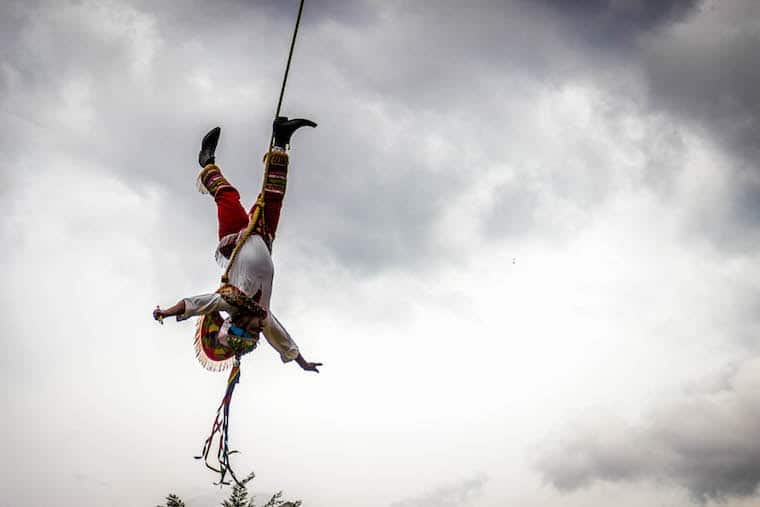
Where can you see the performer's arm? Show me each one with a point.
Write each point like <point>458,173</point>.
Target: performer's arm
<point>281,341</point>
<point>195,305</point>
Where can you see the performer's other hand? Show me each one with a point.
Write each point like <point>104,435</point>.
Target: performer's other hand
<point>306,365</point>
<point>311,366</point>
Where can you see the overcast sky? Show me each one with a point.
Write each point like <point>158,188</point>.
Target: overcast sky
<point>523,240</point>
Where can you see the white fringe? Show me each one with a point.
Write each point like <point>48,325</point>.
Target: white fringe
<point>199,184</point>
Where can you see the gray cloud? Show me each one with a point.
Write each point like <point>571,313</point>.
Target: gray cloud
<point>513,212</point>
<point>157,79</point>
<point>214,16</point>
<point>705,442</point>
<point>618,23</point>
<point>705,71</point>
<point>696,61</point>
<point>132,90</point>
<point>454,495</point>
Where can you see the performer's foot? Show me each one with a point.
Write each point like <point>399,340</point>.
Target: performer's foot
<point>282,128</point>
<point>208,146</point>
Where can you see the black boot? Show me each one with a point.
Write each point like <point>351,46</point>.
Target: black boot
<point>282,129</point>
<point>208,146</point>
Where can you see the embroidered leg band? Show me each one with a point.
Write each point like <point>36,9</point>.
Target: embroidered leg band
<point>275,182</point>
<point>211,180</point>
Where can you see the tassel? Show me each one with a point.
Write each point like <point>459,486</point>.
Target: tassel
<point>221,430</point>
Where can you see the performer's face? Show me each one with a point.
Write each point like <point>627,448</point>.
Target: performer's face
<point>252,324</point>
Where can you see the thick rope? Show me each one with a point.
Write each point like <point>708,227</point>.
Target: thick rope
<point>287,69</point>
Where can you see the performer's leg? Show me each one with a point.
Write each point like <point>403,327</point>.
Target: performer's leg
<point>276,172</point>
<point>232,217</point>
<point>230,213</point>
<point>273,191</point>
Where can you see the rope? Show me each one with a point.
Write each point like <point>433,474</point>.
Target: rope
<point>287,68</point>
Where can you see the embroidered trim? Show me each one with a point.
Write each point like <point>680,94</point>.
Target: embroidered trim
<point>244,303</point>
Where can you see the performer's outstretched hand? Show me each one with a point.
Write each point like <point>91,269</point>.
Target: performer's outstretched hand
<point>177,309</point>
<point>306,365</point>
<point>311,366</point>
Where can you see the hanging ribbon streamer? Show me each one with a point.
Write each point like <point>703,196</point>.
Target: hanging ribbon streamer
<point>221,430</point>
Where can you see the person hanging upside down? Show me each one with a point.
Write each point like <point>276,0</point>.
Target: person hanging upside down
<point>245,247</point>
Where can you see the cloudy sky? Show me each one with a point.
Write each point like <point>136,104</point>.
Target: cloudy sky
<point>523,240</point>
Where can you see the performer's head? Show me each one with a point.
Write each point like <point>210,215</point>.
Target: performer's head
<point>249,321</point>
